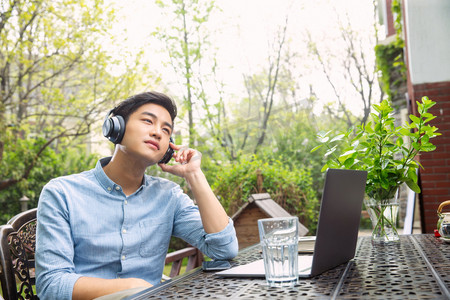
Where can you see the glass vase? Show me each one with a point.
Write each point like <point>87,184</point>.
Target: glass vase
<point>383,215</point>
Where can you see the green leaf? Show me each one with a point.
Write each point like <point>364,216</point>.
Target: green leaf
<point>330,151</point>
<point>350,152</point>
<point>412,185</point>
<point>324,139</point>
<point>355,144</point>
<point>337,138</point>
<point>416,146</point>
<point>316,148</point>
<point>414,119</point>
<point>349,162</point>
<point>428,147</point>
<point>404,131</point>
<point>412,174</point>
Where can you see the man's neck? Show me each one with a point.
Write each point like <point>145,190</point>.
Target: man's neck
<point>125,172</point>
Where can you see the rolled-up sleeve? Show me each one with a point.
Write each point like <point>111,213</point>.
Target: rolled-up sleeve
<point>222,245</point>
<point>55,271</point>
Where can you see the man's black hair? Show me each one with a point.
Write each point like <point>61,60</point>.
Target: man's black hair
<point>131,104</point>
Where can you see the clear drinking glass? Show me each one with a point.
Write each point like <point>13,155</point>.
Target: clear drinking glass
<point>279,242</point>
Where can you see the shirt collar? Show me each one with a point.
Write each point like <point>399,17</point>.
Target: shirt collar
<point>107,184</point>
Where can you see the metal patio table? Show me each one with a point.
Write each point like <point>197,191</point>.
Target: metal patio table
<point>416,267</point>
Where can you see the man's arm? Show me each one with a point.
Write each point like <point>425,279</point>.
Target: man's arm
<point>91,287</point>
<point>214,217</point>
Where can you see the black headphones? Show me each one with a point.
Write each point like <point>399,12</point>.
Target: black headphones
<point>114,129</point>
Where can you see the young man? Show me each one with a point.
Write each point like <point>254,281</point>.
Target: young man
<point>108,229</point>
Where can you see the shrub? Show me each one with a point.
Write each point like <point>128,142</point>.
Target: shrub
<point>291,188</point>
<point>52,163</point>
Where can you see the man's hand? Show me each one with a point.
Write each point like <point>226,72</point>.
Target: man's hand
<point>189,161</point>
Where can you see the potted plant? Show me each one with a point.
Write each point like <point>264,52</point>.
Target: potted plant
<point>388,153</point>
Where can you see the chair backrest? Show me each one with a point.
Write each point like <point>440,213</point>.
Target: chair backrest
<point>17,248</point>
<point>195,259</point>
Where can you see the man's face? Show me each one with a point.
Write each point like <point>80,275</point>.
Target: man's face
<point>147,133</point>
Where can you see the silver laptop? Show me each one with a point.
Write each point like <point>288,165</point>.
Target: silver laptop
<point>337,229</point>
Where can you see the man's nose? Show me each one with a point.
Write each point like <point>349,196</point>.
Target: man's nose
<point>155,132</point>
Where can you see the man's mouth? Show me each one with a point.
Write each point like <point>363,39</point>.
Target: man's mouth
<point>153,143</point>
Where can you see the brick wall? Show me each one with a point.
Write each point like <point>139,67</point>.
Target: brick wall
<point>435,178</point>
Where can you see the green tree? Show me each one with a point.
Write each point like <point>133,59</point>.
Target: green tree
<point>251,117</point>
<point>66,159</point>
<point>353,63</point>
<point>186,41</point>
<point>54,78</point>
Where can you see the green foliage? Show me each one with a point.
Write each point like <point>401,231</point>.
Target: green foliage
<point>292,135</point>
<point>290,188</point>
<point>56,78</point>
<point>390,64</point>
<point>187,40</point>
<point>65,159</point>
<point>390,58</point>
<point>382,149</point>
<point>396,8</point>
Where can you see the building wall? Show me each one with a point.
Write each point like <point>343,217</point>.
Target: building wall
<point>427,26</point>
<point>426,31</point>
<point>435,177</point>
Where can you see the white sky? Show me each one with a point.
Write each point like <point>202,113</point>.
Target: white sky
<point>243,29</point>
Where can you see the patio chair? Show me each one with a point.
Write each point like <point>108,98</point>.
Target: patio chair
<point>195,259</point>
<point>17,247</point>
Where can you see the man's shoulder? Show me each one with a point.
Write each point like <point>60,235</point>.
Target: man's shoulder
<point>163,182</point>
<point>76,178</point>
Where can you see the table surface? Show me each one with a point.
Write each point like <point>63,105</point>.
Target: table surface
<point>416,267</point>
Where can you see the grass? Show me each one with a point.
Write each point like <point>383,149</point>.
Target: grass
<point>168,267</point>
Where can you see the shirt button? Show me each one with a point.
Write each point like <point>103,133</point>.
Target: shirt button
<point>124,231</point>
<point>109,188</point>
<point>117,188</point>
<point>123,257</point>
<point>126,202</point>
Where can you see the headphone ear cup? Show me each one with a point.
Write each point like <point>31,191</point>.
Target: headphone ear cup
<point>114,129</point>
<point>107,127</point>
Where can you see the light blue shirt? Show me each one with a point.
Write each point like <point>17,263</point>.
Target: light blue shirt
<point>86,226</point>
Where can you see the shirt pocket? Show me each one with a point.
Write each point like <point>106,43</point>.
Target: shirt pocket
<point>155,237</point>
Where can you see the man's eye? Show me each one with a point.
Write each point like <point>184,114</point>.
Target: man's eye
<point>166,130</point>
<point>148,121</point>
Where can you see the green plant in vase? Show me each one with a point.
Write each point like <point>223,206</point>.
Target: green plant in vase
<point>389,155</point>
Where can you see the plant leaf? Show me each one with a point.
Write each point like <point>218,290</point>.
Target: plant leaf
<point>316,148</point>
<point>337,138</point>
<point>412,185</point>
